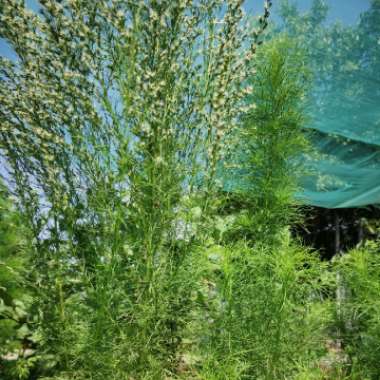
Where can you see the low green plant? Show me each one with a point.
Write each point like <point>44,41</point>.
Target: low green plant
<point>15,296</point>
<point>360,309</point>
<point>267,313</point>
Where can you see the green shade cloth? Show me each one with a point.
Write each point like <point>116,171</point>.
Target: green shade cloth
<point>344,170</point>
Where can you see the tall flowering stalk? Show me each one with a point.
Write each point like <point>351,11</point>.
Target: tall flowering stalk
<point>111,113</point>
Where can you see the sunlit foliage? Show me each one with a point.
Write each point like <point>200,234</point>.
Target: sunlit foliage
<point>112,114</point>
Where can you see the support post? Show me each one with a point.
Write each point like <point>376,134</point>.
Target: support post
<point>339,285</point>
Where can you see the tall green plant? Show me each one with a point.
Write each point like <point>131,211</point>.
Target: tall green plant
<point>266,316</point>
<point>112,113</point>
<point>270,142</point>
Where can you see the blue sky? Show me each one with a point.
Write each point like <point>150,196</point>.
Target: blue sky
<point>347,11</point>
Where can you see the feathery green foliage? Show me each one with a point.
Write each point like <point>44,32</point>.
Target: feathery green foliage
<point>265,165</point>
<point>360,271</point>
<point>115,119</point>
<point>15,297</point>
<point>112,113</point>
<point>266,318</point>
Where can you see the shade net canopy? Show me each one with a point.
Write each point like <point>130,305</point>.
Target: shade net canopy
<point>344,127</point>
